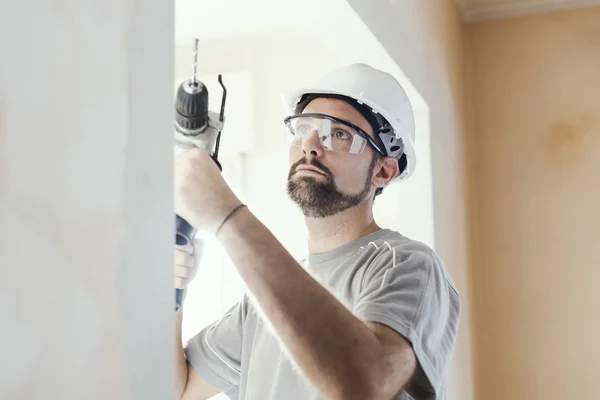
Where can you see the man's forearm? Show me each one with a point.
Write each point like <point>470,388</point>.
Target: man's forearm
<point>334,349</point>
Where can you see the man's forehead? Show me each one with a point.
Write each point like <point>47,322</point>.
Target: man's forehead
<point>339,109</point>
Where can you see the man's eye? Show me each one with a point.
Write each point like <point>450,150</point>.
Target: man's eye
<point>341,134</point>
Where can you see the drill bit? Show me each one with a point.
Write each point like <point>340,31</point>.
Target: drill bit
<point>195,61</point>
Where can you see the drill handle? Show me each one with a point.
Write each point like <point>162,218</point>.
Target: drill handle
<point>184,234</point>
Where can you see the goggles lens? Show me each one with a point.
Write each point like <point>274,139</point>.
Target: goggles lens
<point>334,135</point>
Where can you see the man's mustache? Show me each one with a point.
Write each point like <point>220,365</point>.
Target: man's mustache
<point>314,162</point>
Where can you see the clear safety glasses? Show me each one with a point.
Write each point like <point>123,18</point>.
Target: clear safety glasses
<point>333,133</point>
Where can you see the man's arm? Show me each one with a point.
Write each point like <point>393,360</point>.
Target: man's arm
<point>343,357</point>
<point>190,386</point>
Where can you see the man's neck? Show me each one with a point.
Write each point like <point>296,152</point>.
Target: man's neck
<point>325,234</point>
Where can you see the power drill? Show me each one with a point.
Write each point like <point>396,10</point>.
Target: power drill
<point>195,126</point>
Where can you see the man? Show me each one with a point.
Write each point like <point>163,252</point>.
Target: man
<point>370,314</point>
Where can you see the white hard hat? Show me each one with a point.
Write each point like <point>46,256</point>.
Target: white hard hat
<point>377,89</point>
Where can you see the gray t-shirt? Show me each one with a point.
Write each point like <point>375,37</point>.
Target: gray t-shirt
<point>383,277</point>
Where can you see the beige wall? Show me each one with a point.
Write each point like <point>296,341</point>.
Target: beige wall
<point>536,119</point>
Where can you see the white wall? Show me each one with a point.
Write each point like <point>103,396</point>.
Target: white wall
<point>86,222</point>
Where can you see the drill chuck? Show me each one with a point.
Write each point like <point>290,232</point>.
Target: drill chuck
<point>191,106</point>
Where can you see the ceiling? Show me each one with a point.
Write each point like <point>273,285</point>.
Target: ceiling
<point>477,10</point>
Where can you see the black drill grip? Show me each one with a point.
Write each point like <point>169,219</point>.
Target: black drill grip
<point>184,234</point>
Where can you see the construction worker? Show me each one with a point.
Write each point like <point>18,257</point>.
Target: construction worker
<point>369,314</point>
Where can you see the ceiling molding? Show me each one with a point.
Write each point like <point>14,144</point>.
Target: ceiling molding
<point>477,13</point>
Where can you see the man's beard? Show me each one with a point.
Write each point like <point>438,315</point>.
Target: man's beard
<point>320,199</point>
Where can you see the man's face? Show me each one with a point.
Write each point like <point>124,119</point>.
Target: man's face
<point>344,179</point>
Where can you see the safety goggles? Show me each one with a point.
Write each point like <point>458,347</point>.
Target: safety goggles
<point>333,133</point>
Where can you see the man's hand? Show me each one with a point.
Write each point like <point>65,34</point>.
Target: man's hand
<point>202,197</point>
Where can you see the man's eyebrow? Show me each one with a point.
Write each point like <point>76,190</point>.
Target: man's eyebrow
<point>337,123</point>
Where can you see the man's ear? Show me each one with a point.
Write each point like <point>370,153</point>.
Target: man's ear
<point>388,169</point>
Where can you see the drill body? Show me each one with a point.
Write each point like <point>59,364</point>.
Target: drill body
<point>196,126</point>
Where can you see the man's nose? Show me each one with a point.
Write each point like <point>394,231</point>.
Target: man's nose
<point>311,144</point>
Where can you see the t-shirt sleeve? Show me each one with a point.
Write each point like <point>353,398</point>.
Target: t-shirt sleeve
<point>415,297</point>
<point>215,352</point>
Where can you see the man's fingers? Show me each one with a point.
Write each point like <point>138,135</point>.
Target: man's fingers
<point>182,272</point>
<point>185,263</point>
<point>188,248</point>
<point>184,259</point>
